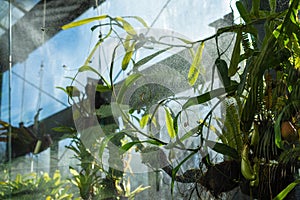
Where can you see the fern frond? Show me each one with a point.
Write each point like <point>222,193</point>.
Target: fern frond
<point>231,131</point>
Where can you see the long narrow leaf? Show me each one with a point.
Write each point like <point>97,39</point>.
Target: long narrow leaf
<point>287,190</point>
<point>255,7</point>
<point>104,143</point>
<point>102,88</point>
<point>195,66</point>
<point>128,81</point>
<point>128,55</point>
<point>139,19</point>
<point>89,68</point>
<point>223,71</point>
<point>170,124</point>
<point>273,5</point>
<point>235,56</point>
<point>150,57</point>
<point>126,26</point>
<point>223,149</point>
<point>89,58</point>
<point>84,21</point>
<point>144,120</point>
<point>243,12</point>
<point>209,96</point>
<point>175,170</point>
<point>112,65</point>
<point>129,145</point>
<point>190,133</point>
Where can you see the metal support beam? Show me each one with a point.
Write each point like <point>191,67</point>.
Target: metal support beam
<point>27,32</point>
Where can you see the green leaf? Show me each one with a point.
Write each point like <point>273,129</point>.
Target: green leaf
<point>155,142</point>
<point>104,143</point>
<point>278,140</point>
<point>104,111</point>
<point>102,88</point>
<point>223,71</point>
<point>189,133</point>
<point>243,12</point>
<point>129,145</point>
<point>112,65</point>
<point>286,190</point>
<point>150,57</point>
<point>223,149</point>
<point>195,66</point>
<point>273,5</point>
<point>175,122</point>
<point>170,124</point>
<point>84,21</point>
<point>89,68</point>
<point>235,56</point>
<point>209,96</point>
<point>72,91</point>
<point>89,58</point>
<point>64,129</point>
<point>250,106</point>
<point>63,89</point>
<point>255,7</point>
<point>175,170</point>
<point>128,81</point>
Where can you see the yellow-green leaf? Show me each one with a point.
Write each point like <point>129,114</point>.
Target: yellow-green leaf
<point>126,43</point>
<point>102,88</point>
<point>126,59</point>
<point>74,172</point>
<point>140,20</point>
<point>127,56</point>
<point>48,198</point>
<point>128,187</point>
<point>195,66</point>
<point>73,91</point>
<point>89,68</point>
<point>46,177</point>
<point>153,120</point>
<point>287,190</point>
<point>297,63</point>
<point>170,124</point>
<point>18,178</point>
<point>83,21</point>
<point>56,175</point>
<point>144,120</point>
<point>126,26</point>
